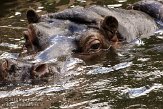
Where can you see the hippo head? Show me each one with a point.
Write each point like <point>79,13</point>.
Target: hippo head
<point>89,38</point>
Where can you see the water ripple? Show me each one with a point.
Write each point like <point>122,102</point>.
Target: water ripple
<point>141,91</point>
<point>103,70</point>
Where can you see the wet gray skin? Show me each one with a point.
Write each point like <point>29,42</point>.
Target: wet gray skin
<point>17,71</point>
<point>67,26</point>
<point>55,38</point>
<point>71,23</point>
<point>129,26</point>
<point>151,7</point>
<point>84,30</point>
<point>14,70</point>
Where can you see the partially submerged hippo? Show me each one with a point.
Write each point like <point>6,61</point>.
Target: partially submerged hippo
<point>19,70</point>
<point>108,25</point>
<point>80,31</point>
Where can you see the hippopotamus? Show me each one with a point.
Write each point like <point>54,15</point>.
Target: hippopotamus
<point>18,71</point>
<point>81,31</point>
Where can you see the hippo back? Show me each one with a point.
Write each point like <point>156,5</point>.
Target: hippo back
<point>151,7</point>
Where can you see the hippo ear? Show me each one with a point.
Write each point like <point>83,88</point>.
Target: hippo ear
<point>109,26</point>
<point>110,23</point>
<point>32,16</point>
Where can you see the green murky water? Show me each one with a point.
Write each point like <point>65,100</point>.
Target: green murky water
<point>131,80</point>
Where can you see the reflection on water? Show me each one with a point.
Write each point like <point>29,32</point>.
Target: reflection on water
<point>131,79</point>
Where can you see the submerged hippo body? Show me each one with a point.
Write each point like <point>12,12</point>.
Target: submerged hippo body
<point>82,31</point>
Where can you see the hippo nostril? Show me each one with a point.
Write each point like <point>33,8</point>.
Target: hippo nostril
<point>27,43</point>
<point>4,70</point>
<point>26,35</point>
<point>39,70</point>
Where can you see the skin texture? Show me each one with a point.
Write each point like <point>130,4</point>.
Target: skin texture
<point>81,31</point>
<point>12,70</point>
<point>151,7</point>
<point>129,26</point>
<point>124,24</point>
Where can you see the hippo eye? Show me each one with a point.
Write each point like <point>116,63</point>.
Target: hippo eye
<point>95,46</point>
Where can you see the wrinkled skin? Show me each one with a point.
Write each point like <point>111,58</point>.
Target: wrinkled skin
<point>79,31</point>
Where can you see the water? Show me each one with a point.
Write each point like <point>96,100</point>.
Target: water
<point>131,79</point>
